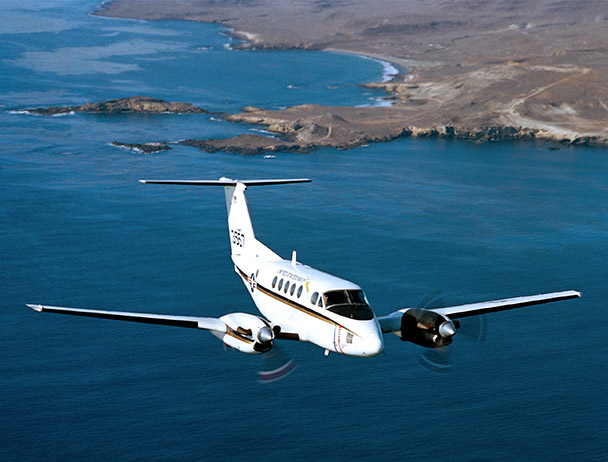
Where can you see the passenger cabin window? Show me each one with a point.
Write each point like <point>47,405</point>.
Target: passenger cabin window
<point>348,303</point>
<point>293,289</point>
<point>286,286</point>
<point>314,297</point>
<point>280,284</point>
<point>299,291</point>
<point>274,282</point>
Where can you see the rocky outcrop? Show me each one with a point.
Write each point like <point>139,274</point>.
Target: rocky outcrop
<point>308,127</point>
<point>248,145</point>
<point>343,127</point>
<point>133,104</point>
<point>144,148</point>
<point>297,137</point>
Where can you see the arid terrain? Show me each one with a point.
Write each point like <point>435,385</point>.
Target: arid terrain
<point>503,69</point>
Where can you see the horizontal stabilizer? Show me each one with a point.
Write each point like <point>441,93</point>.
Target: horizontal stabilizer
<point>214,324</point>
<point>227,182</point>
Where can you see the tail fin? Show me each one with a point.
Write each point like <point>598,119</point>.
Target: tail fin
<point>242,237</point>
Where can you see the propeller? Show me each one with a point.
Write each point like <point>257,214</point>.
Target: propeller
<point>276,365</point>
<point>473,329</point>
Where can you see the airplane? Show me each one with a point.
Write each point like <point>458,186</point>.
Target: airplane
<point>300,303</point>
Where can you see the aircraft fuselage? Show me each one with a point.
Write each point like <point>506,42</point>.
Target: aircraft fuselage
<point>296,300</point>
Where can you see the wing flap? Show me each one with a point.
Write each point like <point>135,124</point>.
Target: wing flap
<point>214,324</point>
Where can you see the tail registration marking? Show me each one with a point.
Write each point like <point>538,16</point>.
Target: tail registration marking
<point>238,238</point>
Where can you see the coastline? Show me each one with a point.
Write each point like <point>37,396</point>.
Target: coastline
<point>444,89</point>
<point>400,66</point>
<point>392,68</point>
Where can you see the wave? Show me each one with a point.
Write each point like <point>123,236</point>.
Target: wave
<point>389,70</point>
<point>265,132</point>
<point>34,113</point>
<point>378,102</point>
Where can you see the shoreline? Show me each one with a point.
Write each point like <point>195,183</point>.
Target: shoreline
<point>392,67</point>
<point>437,86</point>
<point>401,66</point>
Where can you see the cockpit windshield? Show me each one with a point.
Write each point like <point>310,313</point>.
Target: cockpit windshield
<point>348,303</point>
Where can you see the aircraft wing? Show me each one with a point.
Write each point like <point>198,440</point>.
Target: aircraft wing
<point>214,324</point>
<point>474,309</point>
<point>392,322</point>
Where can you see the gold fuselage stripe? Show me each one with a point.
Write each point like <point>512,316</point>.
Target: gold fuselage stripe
<point>293,304</point>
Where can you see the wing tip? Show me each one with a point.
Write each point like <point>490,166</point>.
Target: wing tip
<point>569,294</point>
<point>34,307</point>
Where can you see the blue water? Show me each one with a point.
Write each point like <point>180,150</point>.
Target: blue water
<point>413,222</point>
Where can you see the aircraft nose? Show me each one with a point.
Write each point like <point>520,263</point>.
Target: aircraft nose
<point>374,345</point>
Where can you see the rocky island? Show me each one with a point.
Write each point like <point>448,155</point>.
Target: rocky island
<point>130,105</point>
<point>473,69</point>
<point>133,104</point>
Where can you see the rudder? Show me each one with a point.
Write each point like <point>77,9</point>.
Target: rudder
<point>242,237</point>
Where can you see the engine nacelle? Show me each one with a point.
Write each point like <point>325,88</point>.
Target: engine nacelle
<point>246,332</point>
<point>426,328</point>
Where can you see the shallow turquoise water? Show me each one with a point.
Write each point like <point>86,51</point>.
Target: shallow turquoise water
<point>410,221</point>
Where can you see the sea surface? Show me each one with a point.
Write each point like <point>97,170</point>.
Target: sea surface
<point>414,222</point>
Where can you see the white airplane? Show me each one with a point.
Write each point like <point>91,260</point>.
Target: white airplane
<point>300,303</point>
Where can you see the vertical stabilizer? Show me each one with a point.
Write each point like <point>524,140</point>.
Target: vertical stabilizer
<point>242,238</point>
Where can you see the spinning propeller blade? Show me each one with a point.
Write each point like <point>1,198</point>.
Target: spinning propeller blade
<point>473,329</point>
<point>276,365</point>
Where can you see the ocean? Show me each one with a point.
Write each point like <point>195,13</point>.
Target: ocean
<point>415,222</point>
